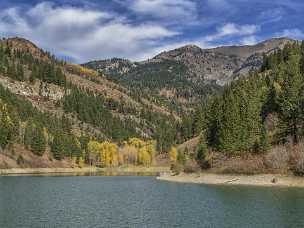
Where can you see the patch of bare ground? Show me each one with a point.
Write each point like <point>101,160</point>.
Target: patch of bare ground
<point>234,179</point>
<point>281,159</point>
<point>45,100</point>
<point>163,160</point>
<point>247,164</point>
<point>19,157</point>
<point>190,145</point>
<point>107,88</point>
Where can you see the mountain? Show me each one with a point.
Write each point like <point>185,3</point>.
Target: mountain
<point>50,110</point>
<point>255,124</point>
<point>188,73</point>
<point>58,114</point>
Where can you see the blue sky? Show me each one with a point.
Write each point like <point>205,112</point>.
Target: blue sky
<point>83,30</point>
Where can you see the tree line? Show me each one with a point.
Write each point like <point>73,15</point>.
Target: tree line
<point>236,122</point>
<point>21,65</point>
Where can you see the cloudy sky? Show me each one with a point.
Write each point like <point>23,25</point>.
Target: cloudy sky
<point>83,30</point>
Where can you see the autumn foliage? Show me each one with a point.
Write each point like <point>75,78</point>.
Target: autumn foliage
<point>132,152</point>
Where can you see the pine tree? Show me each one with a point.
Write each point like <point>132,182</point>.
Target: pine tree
<point>6,126</point>
<point>20,72</point>
<point>57,146</point>
<point>34,138</point>
<point>290,100</point>
<point>38,144</point>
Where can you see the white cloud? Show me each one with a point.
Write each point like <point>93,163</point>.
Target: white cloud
<point>292,33</point>
<point>271,15</point>
<point>81,33</point>
<point>85,33</point>
<point>178,10</point>
<point>243,33</point>
<point>249,40</point>
<point>231,29</point>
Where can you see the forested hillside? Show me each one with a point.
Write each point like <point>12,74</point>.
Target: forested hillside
<point>257,114</point>
<point>182,77</point>
<point>55,109</point>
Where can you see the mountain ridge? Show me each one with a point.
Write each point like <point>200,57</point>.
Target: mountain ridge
<point>188,73</point>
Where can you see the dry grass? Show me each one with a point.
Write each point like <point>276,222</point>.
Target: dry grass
<point>190,145</point>
<point>297,159</point>
<point>278,159</point>
<point>191,167</point>
<point>248,165</point>
<point>281,159</point>
<point>22,158</point>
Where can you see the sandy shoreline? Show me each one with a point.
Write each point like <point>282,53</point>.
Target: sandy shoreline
<point>85,170</point>
<point>220,179</point>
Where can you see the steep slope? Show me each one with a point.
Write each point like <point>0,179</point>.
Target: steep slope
<point>256,124</point>
<point>222,64</point>
<point>78,76</point>
<point>64,105</point>
<point>188,73</point>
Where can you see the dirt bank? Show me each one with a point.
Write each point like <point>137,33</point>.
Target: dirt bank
<point>252,180</point>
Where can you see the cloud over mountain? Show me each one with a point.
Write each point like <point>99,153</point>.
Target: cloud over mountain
<point>138,29</point>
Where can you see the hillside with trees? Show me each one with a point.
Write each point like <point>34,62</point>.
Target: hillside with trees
<point>54,113</point>
<point>180,78</point>
<point>258,117</point>
<point>54,109</point>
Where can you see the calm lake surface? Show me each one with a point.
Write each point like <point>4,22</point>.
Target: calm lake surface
<point>105,201</point>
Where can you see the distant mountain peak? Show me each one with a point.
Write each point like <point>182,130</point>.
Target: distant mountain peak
<point>189,47</point>
<point>246,51</point>
<point>23,44</point>
<point>19,42</point>
<point>180,52</point>
<point>220,64</point>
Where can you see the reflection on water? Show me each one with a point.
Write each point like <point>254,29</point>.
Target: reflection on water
<point>101,173</point>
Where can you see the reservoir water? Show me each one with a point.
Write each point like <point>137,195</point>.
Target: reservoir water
<point>136,201</point>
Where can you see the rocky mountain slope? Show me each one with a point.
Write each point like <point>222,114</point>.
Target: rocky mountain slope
<point>220,65</point>
<point>66,104</point>
<point>86,79</point>
<point>55,106</point>
<point>188,73</point>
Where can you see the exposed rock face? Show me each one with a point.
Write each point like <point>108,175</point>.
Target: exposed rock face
<point>36,89</point>
<point>110,66</point>
<point>220,65</point>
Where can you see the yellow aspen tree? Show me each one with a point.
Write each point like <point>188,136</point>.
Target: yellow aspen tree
<point>151,148</point>
<point>81,162</point>
<point>109,154</point>
<point>113,149</point>
<point>138,143</point>
<point>94,152</point>
<point>144,157</point>
<point>173,155</point>
<point>129,154</point>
